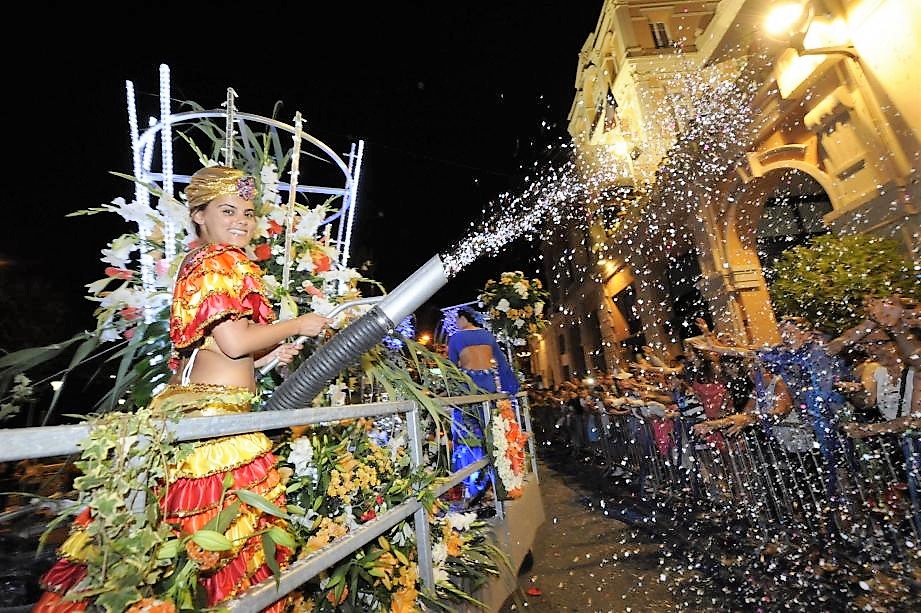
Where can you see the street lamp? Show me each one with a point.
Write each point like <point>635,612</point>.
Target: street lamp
<point>794,22</point>
<point>787,19</point>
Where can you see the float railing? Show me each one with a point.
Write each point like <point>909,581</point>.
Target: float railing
<point>52,441</point>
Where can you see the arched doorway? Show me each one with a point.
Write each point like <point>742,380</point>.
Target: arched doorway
<point>767,216</point>
<point>790,216</point>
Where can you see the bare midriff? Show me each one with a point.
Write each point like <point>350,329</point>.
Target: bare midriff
<point>477,357</point>
<point>213,366</point>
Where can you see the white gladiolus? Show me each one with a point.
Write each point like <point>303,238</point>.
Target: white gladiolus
<point>503,305</point>
<point>460,521</point>
<point>309,223</point>
<point>302,457</point>
<point>439,552</point>
<point>119,251</point>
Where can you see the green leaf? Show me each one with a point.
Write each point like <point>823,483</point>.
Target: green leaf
<point>24,359</point>
<point>268,547</point>
<point>293,509</point>
<point>256,501</point>
<point>221,521</point>
<point>168,550</point>
<point>209,540</point>
<point>282,537</point>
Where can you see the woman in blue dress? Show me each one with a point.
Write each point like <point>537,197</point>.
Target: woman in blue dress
<point>477,353</point>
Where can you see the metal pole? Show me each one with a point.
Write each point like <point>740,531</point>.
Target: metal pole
<point>420,518</point>
<point>531,446</point>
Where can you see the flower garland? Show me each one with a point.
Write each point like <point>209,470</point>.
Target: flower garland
<point>507,441</point>
<point>515,305</point>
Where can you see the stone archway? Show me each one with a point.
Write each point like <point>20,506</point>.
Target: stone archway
<point>767,215</point>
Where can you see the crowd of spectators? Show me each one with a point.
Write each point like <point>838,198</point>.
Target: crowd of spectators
<point>808,394</point>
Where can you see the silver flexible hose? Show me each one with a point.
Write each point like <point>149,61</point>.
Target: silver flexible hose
<point>343,350</point>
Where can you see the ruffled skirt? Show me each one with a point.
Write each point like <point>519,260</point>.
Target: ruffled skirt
<point>190,500</point>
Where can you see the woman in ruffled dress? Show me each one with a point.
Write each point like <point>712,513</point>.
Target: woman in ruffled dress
<point>220,329</point>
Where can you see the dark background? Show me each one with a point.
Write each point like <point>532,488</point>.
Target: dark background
<point>449,97</point>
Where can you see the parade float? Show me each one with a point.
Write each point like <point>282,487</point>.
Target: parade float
<point>359,424</point>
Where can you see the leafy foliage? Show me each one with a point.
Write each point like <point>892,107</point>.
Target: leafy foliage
<point>827,280</point>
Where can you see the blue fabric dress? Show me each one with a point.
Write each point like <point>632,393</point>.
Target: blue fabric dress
<point>465,425</point>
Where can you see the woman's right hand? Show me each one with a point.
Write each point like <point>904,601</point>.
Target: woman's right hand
<point>311,324</point>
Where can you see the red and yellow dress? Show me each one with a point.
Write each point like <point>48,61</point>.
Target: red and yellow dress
<point>215,283</point>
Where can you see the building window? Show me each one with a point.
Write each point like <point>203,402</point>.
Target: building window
<point>659,34</point>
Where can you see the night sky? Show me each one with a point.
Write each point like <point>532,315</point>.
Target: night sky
<point>449,97</point>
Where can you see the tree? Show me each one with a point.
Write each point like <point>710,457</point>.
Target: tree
<point>827,280</point>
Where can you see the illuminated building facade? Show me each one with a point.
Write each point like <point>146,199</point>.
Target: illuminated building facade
<point>697,187</point>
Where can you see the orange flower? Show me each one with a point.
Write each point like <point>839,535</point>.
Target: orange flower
<point>403,601</point>
<point>118,273</point>
<point>263,252</point>
<point>453,543</point>
<point>206,559</point>
<point>152,605</point>
<point>130,313</point>
<point>275,228</point>
<point>321,261</point>
<point>313,290</point>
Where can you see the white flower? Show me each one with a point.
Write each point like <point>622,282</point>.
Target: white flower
<point>309,223</point>
<point>271,283</point>
<point>109,334</point>
<point>439,552</point>
<point>343,276</point>
<point>139,212</point>
<point>349,515</point>
<point>394,445</point>
<point>176,214</point>
<point>269,179</point>
<point>538,308</point>
<point>124,296</point>
<point>301,455</point>
<point>460,521</point>
<point>518,323</point>
<point>288,308</point>
<point>277,214</point>
<point>519,342</point>
<point>262,228</point>
<point>119,251</point>
<point>97,286</point>
<point>320,305</point>
<point>521,289</point>
<point>304,262</point>
<point>504,305</point>
<point>440,575</point>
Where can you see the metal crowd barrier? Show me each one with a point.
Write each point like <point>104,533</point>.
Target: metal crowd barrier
<point>865,492</point>
<point>51,441</point>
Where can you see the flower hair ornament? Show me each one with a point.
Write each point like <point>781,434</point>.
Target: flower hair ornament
<point>214,181</point>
